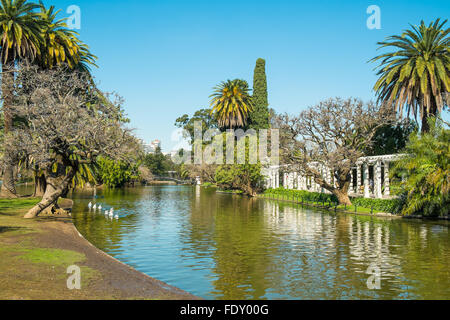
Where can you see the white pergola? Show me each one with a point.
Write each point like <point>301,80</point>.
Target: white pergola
<point>365,185</point>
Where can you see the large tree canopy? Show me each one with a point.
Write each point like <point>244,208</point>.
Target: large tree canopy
<point>64,126</point>
<point>417,73</point>
<point>259,118</point>
<point>232,103</point>
<point>331,136</point>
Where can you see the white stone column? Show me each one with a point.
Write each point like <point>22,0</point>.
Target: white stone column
<point>327,176</point>
<point>294,180</point>
<point>387,191</point>
<point>275,172</point>
<point>351,182</point>
<point>358,178</point>
<point>272,178</point>
<point>291,180</point>
<point>377,181</point>
<point>366,181</point>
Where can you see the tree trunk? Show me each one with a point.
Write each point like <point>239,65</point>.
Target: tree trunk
<point>426,116</point>
<point>425,125</point>
<point>8,188</point>
<point>40,184</point>
<point>56,186</point>
<point>341,192</point>
<point>342,196</point>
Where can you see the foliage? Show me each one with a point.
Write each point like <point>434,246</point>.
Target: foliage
<point>20,30</point>
<point>203,116</point>
<point>303,194</point>
<point>245,177</point>
<point>116,173</point>
<point>382,205</point>
<point>417,73</point>
<point>325,141</point>
<point>391,138</point>
<point>158,163</point>
<point>259,117</point>
<point>60,44</point>
<point>70,134</point>
<point>232,103</point>
<point>208,184</point>
<point>427,184</point>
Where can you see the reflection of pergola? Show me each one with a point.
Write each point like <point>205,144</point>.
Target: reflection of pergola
<point>370,177</point>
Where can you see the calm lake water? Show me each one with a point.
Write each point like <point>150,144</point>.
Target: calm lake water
<point>221,246</point>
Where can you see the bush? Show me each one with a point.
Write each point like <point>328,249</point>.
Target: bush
<point>305,195</point>
<point>116,174</point>
<point>245,177</point>
<point>426,189</point>
<point>383,205</point>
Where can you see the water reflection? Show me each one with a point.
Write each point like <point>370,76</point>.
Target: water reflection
<point>222,246</point>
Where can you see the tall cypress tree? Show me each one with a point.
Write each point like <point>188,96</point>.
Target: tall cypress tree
<point>259,118</point>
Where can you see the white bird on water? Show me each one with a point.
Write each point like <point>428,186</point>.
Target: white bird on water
<point>90,205</point>
<point>116,217</point>
<point>94,207</point>
<point>100,207</point>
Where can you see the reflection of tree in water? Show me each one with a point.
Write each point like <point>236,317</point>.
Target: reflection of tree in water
<point>244,249</point>
<point>258,248</point>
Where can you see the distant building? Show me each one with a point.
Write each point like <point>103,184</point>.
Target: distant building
<point>152,146</point>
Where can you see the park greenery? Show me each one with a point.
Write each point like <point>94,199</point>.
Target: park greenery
<point>59,127</point>
<point>426,191</point>
<point>330,201</point>
<point>416,73</point>
<point>413,81</point>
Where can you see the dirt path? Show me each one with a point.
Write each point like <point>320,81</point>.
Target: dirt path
<point>35,255</point>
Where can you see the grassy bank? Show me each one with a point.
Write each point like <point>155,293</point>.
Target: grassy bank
<point>329,202</point>
<point>36,253</point>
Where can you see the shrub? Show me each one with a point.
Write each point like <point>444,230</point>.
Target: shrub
<point>384,205</point>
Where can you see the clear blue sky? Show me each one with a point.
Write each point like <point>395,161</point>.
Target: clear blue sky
<point>164,57</point>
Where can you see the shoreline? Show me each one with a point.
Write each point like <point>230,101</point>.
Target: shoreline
<point>375,214</point>
<point>39,255</point>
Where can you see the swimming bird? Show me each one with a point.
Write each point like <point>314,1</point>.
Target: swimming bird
<point>116,217</point>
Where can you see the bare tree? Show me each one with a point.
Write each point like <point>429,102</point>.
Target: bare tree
<point>330,137</point>
<point>66,124</point>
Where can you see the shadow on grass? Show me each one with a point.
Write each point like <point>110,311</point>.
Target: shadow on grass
<point>4,229</point>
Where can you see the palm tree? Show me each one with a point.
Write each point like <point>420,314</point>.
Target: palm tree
<point>20,37</point>
<point>232,103</point>
<point>417,72</point>
<point>60,44</point>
